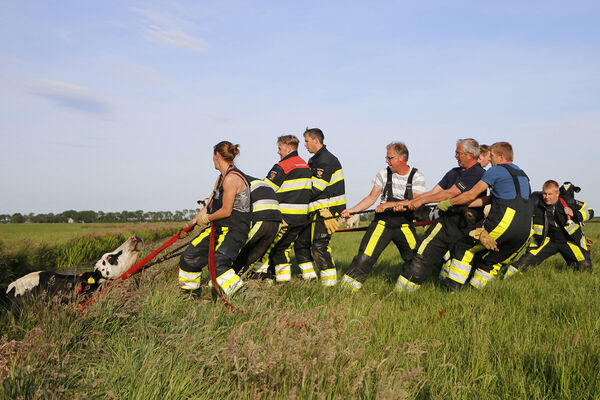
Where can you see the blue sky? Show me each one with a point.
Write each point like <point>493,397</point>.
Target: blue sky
<point>115,105</point>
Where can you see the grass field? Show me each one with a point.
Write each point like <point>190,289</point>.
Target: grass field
<point>534,336</point>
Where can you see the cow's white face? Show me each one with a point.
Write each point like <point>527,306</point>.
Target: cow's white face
<point>116,263</point>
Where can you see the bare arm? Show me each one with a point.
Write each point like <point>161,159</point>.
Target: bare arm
<point>436,194</point>
<point>232,185</point>
<point>364,203</point>
<point>470,195</point>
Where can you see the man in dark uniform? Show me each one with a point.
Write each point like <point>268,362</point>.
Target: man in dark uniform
<point>452,225</point>
<point>291,180</point>
<point>398,182</point>
<point>505,230</point>
<point>557,228</point>
<point>328,199</point>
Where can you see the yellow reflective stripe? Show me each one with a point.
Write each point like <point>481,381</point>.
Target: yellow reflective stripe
<point>511,271</point>
<point>201,236</point>
<point>319,183</point>
<point>429,238</point>
<point>293,211</point>
<point>538,249</point>
<point>576,251</point>
<point>375,238</point>
<point>265,207</point>
<point>351,283</point>
<point>336,177</point>
<point>505,222</point>
<point>538,229</point>
<point>254,229</point>
<point>571,228</point>
<point>274,186</point>
<point>283,272</point>
<point>410,238</point>
<point>404,284</point>
<point>585,212</point>
<point>221,237</point>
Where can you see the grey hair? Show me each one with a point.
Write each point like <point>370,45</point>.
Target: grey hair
<point>399,148</point>
<point>469,146</point>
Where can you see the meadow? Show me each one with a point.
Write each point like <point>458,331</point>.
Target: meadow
<point>533,336</point>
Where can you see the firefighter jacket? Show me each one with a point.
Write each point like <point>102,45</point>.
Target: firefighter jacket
<point>291,180</point>
<point>557,225</point>
<point>328,188</point>
<point>265,206</point>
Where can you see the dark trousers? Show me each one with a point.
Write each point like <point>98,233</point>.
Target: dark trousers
<point>260,238</point>
<point>379,234</point>
<point>313,245</point>
<point>573,254</point>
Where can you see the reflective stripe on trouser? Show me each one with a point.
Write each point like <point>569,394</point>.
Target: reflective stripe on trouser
<point>283,272</point>
<point>571,253</point>
<point>403,284</point>
<point>279,253</point>
<point>379,234</point>
<point>230,282</point>
<point>481,278</point>
<point>259,241</point>
<point>510,272</point>
<point>308,271</point>
<point>349,283</point>
<point>329,277</point>
<point>312,245</point>
<point>229,240</point>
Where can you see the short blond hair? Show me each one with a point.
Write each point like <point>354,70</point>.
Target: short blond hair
<point>503,148</point>
<point>289,140</point>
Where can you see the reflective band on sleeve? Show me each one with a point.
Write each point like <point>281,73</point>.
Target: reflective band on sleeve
<point>295,184</point>
<point>336,177</point>
<point>429,238</point>
<point>283,272</point>
<point>410,238</point>
<point>403,284</point>
<point>585,212</point>
<point>351,284</point>
<point>267,204</point>
<point>274,186</point>
<point>576,251</point>
<point>229,281</point>
<point>329,277</point>
<point>374,238</point>
<point>319,183</point>
<point>571,228</point>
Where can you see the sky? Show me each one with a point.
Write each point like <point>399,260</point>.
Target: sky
<point>116,105</point>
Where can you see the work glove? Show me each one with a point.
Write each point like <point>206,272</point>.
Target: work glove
<point>444,205</point>
<point>484,238</point>
<point>331,224</point>
<point>183,233</point>
<point>202,220</point>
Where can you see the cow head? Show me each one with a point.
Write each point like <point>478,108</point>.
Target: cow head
<point>114,264</point>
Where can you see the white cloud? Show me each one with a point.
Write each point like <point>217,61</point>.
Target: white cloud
<point>68,95</point>
<point>168,30</point>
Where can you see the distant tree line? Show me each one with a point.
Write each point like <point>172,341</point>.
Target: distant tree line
<point>88,216</point>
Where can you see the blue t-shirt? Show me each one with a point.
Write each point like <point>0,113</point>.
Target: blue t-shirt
<point>502,185</point>
<point>463,179</point>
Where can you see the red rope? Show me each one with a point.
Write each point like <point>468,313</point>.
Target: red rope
<point>134,269</point>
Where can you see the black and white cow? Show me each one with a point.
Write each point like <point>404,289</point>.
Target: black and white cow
<point>110,266</point>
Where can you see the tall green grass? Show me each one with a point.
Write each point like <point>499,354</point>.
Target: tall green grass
<point>534,336</point>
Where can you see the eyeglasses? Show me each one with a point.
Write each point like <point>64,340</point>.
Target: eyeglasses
<point>458,153</point>
<point>390,158</point>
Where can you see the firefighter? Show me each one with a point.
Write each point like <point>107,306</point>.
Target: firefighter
<point>291,180</point>
<point>452,225</point>
<point>229,211</point>
<point>504,231</point>
<point>328,200</point>
<point>266,222</point>
<point>395,183</point>
<point>557,228</point>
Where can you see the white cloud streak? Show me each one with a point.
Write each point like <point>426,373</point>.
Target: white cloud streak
<point>168,30</point>
<point>68,95</point>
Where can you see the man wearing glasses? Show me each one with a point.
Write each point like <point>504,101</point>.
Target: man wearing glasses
<point>395,183</point>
